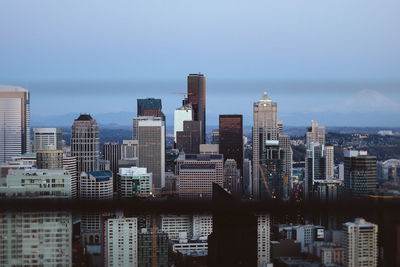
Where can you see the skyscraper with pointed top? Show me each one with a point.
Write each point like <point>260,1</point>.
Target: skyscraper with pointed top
<point>265,127</point>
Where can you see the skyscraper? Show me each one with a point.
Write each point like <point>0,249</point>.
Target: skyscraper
<point>15,120</point>
<point>330,165</point>
<point>121,246</point>
<point>231,176</point>
<point>150,107</point>
<point>151,136</point>
<point>315,134</point>
<point>47,139</point>
<point>284,143</point>
<point>184,113</point>
<point>360,243</point>
<point>197,98</point>
<point>85,143</point>
<point>315,167</point>
<point>231,138</point>
<point>189,139</point>
<point>359,173</point>
<point>70,166</point>
<point>273,165</point>
<point>264,128</point>
<point>112,153</point>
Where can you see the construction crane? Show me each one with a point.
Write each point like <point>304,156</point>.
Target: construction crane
<point>185,94</point>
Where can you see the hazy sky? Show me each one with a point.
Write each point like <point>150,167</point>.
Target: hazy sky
<point>247,41</point>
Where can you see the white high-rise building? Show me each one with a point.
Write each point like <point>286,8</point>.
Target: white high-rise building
<point>47,139</point>
<point>173,225</point>
<point>202,226</point>
<point>129,149</point>
<point>184,113</point>
<point>263,240</point>
<point>134,181</point>
<point>96,185</point>
<point>360,243</point>
<point>121,242</point>
<point>15,120</point>
<point>70,166</point>
<point>35,239</point>
<point>264,128</point>
<point>151,136</point>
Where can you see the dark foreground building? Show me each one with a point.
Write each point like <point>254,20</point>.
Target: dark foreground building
<point>233,241</point>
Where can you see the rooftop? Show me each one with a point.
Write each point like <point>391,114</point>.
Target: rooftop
<point>84,117</point>
<point>12,88</point>
<point>101,176</point>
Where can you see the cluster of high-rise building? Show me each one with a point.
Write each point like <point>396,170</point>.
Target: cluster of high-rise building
<point>90,170</point>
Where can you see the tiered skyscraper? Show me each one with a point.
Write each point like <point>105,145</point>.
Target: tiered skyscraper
<point>85,143</point>
<point>264,128</point>
<point>14,122</point>
<point>197,98</point>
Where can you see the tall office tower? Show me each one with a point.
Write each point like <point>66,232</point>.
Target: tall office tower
<point>264,128</point>
<point>129,149</point>
<point>189,139</point>
<point>121,242</point>
<point>197,98</point>
<point>145,248</point>
<point>134,181</point>
<point>247,176</point>
<point>360,243</point>
<point>15,122</point>
<point>231,176</point>
<point>150,107</point>
<point>359,173</point>
<point>279,124</point>
<point>38,184</point>
<point>315,167</point>
<point>70,166</point>
<point>215,137</point>
<point>49,159</point>
<point>112,153</point>
<point>47,139</point>
<point>173,225</point>
<point>85,143</point>
<point>315,134</point>
<point>274,172</point>
<point>231,138</point>
<point>36,239</point>
<point>263,239</point>
<point>202,226</point>
<point>184,113</point>
<point>104,165</point>
<point>284,143</point>
<point>96,185</point>
<point>330,164</point>
<point>151,136</point>
<point>197,173</point>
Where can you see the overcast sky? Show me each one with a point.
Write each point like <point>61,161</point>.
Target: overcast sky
<point>258,44</point>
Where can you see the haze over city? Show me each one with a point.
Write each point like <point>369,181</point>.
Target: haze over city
<point>336,62</point>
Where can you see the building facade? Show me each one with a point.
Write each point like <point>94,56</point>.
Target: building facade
<point>85,143</point>
<point>96,185</point>
<point>189,139</point>
<point>197,98</point>
<point>151,136</point>
<point>112,153</point>
<point>231,138</point>
<point>47,139</point>
<point>197,173</point>
<point>184,113</point>
<point>134,181</point>
<point>15,127</point>
<point>360,243</point>
<point>150,107</point>
<point>359,173</point>
<point>264,128</point>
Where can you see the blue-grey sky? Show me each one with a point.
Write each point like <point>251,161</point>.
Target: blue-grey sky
<point>314,57</point>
